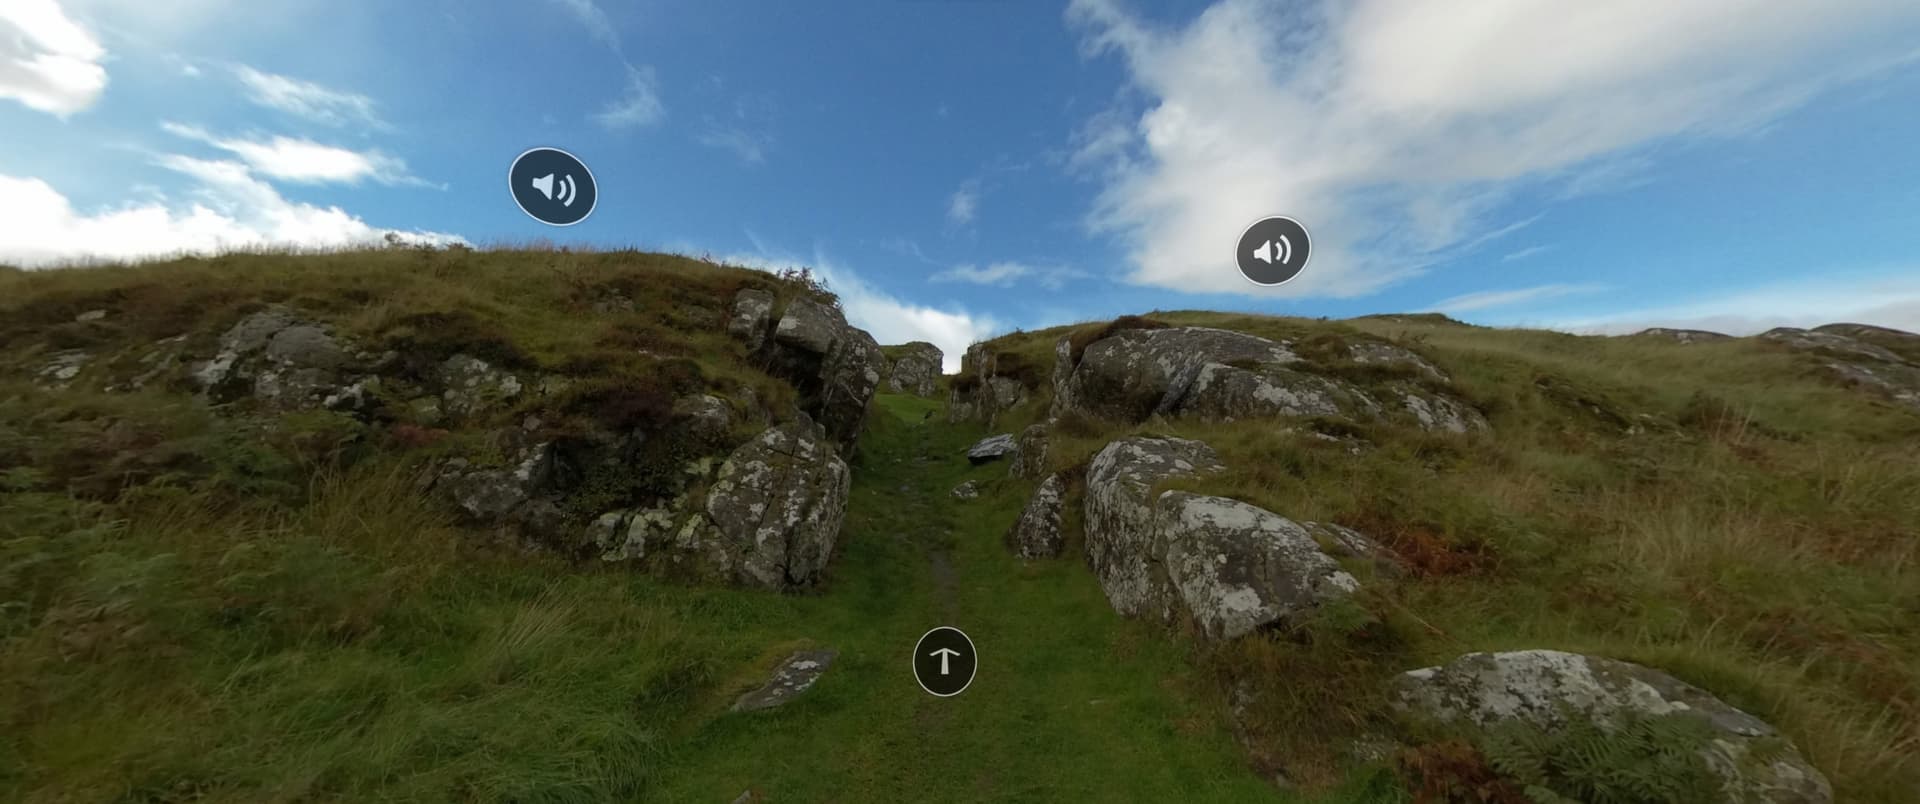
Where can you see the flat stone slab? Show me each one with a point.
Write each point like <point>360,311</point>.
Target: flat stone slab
<point>791,678</point>
<point>991,449</point>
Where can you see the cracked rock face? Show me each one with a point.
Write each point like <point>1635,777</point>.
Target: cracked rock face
<point>1220,375</point>
<point>987,393</point>
<point>836,367</point>
<point>792,677</point>
<point>1229,567</point>
<point>1540,687</point>
<point>1030,452</point>
<point>776,508</point>
<point>495,496</point>
<point>1036,534</point>
<point>917,371</point>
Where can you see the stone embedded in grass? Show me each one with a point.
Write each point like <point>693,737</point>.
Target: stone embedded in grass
<point>1859,363</point>
<point>474,386</point>
<point>1036,534</point>
<point>967,490</point>
<point>1541,688</point>
<point>990,449</point>
<point>794,676</point>
<point>64,366</point>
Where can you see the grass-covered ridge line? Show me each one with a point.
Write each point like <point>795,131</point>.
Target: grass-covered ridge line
<point>226,604</point>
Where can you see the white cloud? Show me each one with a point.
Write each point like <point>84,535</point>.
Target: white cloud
<point>307,100</point>
<point>1888,298</point>
<point>48,61</point>
<point>1488,299</point>
<point>638,106</point>
<point>232,210</point>
<point>597,22</point>
<point>1007,274</point>
<point>306,161</point>
<point>889,318</point>
<point>1525,253</point>
<point>750,147</point>
<point>1395,128</point>
<point>964,203</point>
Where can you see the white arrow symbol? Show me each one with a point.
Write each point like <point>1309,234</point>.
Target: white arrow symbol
<point>944,654</point>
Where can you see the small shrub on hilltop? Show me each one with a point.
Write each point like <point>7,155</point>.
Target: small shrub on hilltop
<point>1085,336</point>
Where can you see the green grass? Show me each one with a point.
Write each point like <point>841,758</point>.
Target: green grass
<point>358,649</point>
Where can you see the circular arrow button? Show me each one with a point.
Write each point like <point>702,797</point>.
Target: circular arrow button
<point>553,186</point>
<point>943,661</point>
<point>1273,251</point>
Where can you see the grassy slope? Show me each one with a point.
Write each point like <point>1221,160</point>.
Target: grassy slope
<point>1756,538</point>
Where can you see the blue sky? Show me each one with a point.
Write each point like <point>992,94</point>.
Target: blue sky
<point>960,168</point>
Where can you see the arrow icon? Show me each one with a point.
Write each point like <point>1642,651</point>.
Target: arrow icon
<point>944,654</point>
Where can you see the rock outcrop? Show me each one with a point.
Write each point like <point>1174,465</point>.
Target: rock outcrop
<point>836,367</point>
<point>284,362</point>
<point>917,370</point>
<point>1030,451</point>
<point>982,391</point>
<point>474,387</point>
<point>1858,363</point>
<point>1036,534</point>
<point>1542,687</point>
<point>1222,375</point>
<point>1905,344</point>
<point>991,448</point>
<point>774,513</point>
<point>1682,335</point>
<point>1227,566</point>
<point>794,676</point>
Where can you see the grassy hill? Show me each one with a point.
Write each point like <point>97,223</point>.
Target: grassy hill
<point>215,601</point>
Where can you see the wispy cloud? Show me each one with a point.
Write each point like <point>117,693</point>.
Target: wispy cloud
<point>308,100</point>
<point>1007,274</point>
<point>1525,253</point>
<point>1489,299</point>
<point>598,24</point>
<point>964,202</point>
<point>47,61</point>
<point>305,161</point>
<point>638,106</point>
<point>1411,128</point>
<point>749,146</point>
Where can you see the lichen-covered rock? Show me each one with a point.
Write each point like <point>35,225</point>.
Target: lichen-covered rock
<point>63,367</point>
<point>1542,687</point>
<point>1036,534</point>
<point>917,370</point>
<point>991,448</point>
<point>474,386</point>
<point>1229,567</point>
<point>1133,373</point>
<point>1681,335</point>
<point>1858,363</point>
<point>981,392</point>
<point>1376,353</point>
<point>492,496</point>
<point>1441,414</point>
<point>775,510</point>
<point>752,312</point>
<point>1225,393</point>
<point>1030,452</point>
<point>966,491</point>
<point>705,415</point>
<point>284,362</point>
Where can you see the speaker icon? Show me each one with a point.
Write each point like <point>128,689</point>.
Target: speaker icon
<point>1272,251</point>
<point>565,189</point>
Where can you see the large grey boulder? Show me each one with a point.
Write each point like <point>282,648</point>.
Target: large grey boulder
<point>836,367</point>
<point>752,312</point>
<point>1543,687</point>
<point>991,448</point>
<point>1227,566</point>
<point>1127,376</point>
<point>774,512</point>
<point>1036,534</point>
<point>1221,375</point>
<point>917,370</point>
